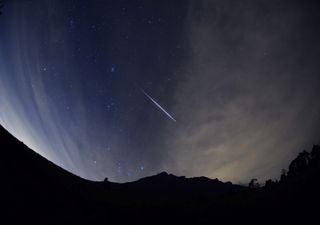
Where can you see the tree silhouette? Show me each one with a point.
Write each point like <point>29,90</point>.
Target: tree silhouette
<point>269,182</point>
<point>315,153</point>
<point>254,183</point>
<point>283,174</point>
<point>300,163</point>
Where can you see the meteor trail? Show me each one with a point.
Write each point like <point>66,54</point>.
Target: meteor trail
<point>159,106</point>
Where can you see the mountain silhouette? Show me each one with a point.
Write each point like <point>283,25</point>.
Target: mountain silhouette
<point>164,182</point>
<point>36,191</point>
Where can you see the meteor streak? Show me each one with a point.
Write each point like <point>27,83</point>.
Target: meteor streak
<point>158,105</point>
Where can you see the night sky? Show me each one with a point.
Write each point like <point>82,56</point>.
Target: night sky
<point>127,89</point>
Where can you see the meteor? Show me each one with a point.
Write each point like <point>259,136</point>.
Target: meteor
<point>158,105</point>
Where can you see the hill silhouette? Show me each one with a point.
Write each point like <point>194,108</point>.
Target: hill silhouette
<point>36,191</point>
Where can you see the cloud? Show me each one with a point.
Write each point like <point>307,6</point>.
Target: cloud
<point>245,94</point>
<point>248,101</point>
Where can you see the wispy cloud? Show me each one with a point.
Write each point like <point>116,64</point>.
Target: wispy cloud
<point>248,101</point>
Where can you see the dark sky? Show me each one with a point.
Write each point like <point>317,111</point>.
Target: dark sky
<point>80,82</point>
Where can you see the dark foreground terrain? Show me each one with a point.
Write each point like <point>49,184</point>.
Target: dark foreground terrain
<point>35,191</point>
